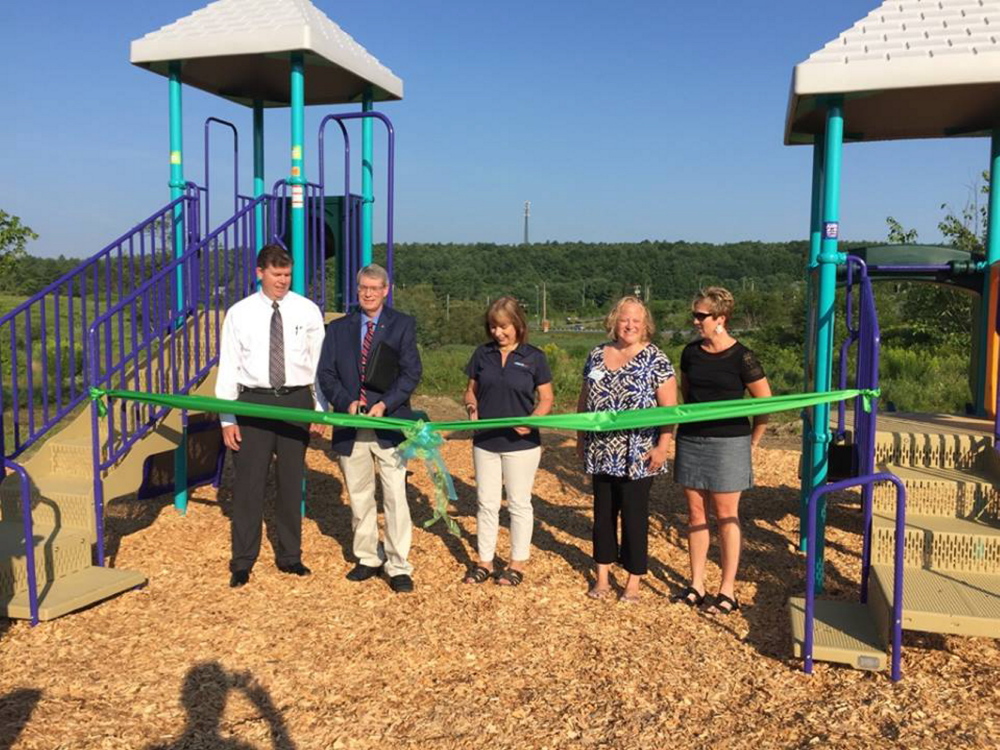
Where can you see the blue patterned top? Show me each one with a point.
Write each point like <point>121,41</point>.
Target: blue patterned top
<point>631,386</point>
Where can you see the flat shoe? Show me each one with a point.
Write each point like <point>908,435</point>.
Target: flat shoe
<point>362,572</point>
<point>596,593</point>
<point>295,569</point>
<point>509,577</point>
<point>689,596</point>
<point>478,574</point>
<point>628,598</point>
<point>239,578</point>
<point>401,584</point>
<point>721,605</point>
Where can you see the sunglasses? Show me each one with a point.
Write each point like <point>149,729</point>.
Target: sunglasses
<point>700,316</point>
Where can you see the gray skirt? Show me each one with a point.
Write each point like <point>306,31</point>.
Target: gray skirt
<point>718,464</point>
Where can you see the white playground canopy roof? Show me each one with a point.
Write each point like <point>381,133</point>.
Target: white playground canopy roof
<point>239,50</point>
<point>909,69</point>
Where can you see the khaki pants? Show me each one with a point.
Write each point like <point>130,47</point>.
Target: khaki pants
<point>514,470</point>
<point>359,475</point>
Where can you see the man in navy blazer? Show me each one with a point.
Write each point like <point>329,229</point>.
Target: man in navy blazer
<point>349,342</point>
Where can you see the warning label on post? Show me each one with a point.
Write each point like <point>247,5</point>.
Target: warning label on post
<point>297,196</point>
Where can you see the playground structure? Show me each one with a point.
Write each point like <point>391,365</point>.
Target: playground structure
<point>931,548</point>
<point>146,311</point>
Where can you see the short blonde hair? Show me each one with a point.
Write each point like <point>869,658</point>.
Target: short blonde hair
<point>611,322</point>
<point>509,309</point>
<point>374,271</point>
<point>720,301</point>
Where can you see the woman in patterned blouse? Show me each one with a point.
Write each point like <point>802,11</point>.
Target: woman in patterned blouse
<point>629,372</point>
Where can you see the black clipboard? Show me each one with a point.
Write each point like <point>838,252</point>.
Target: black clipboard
<point>382,368</point>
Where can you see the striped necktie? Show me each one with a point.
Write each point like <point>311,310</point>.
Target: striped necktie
<point>276,356</point>
<point>366,348</point>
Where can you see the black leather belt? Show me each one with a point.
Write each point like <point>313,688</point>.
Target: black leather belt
<point>284,390</point>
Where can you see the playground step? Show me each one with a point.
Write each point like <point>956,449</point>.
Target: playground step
<point>844,632</point>
<point>58,553</point>
<point>931,449</point>
<point>64,502</point>
<point>936,543</point>
<point>71,592</point>
<point>71,455</point>
<point>953,493</point>
<point>936,601</point>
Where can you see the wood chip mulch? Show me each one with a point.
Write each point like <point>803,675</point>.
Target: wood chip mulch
<point>321,662</point>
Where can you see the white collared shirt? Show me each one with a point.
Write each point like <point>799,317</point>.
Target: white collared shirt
<point>244,352</point>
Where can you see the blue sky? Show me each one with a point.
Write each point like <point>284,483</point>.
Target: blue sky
<point>641,119</point>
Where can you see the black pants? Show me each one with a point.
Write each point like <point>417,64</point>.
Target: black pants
<point>614,496</point>
<point>261,439</point>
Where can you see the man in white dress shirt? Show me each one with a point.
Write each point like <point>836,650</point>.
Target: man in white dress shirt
<point>270,347</point>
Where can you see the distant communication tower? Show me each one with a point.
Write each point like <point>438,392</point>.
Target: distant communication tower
<point>527,215</point>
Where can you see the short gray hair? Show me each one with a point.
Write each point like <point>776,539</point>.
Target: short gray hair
<point>374,271</point>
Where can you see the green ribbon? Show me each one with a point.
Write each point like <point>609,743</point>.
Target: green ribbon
<point>423,439</point>
<point>424,443</point>
<point>601,421</point>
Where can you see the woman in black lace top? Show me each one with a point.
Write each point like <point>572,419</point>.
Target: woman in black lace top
<point>713,461</point>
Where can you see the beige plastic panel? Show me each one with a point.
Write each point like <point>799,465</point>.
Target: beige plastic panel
<point>945,602</point>
<point>57,554</point>
<point>844,632</point>
<point>937,543</point>
<point>73,592</point>
<point>955,493</point>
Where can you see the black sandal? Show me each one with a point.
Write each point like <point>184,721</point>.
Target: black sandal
<point>689,596</point>
<point>722,605</point>
<point>478,574</point>
<point>511,576</point>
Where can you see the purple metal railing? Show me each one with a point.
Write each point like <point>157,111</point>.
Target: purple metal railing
<point>866,481</point>
<point>237,198</point>
<point>852,337</point>
<point>173,322</point>
<point>315,249</point>
<point>352,255</point>
<point>865,421</point>
<point>43,341</point>
<point>29,536</point>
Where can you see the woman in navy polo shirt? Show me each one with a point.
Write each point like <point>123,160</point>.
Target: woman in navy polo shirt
<point>507,378</point>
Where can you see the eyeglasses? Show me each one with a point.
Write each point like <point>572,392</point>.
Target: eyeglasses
<point>700,316</point>
<point>370,289</point>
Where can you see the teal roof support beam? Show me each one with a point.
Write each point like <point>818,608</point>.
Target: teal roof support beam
<point>297,180</point>
<point>176,191</point>
<point>992,256</point>
<point>828,259</point>
<point>815,242</point>
<point>993,220</point>
<point>258,170</point>
<point>367,179</point>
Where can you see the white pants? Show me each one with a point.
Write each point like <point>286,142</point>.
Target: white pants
<point>514,470</point>
<point>359,475</point>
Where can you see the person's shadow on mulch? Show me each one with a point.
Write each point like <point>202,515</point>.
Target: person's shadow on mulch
<point>15,711</point>
<point>203,695</point>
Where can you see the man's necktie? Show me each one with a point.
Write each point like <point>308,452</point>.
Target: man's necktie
<point>366,348</point>
<point>276,357</point>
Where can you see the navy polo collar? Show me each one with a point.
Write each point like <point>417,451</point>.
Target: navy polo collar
<point>520,350</point>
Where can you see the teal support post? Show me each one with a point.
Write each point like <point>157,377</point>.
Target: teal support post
<point>297,180</point>
<point>815,242</point>
<point>993,219</point>
<point>176,191</point>
<point>828,259</point>
<point>258,171</point>
<point>367,189</point>
<point>981,397</point>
